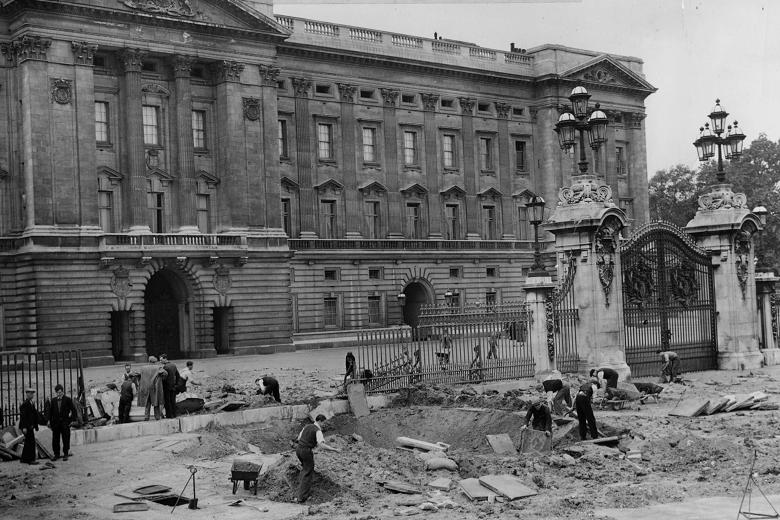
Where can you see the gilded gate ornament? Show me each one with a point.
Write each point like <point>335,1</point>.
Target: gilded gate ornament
<point>606,242</point>
<point>742,244</point>
<point>683,287</point>
<point>638,282</point>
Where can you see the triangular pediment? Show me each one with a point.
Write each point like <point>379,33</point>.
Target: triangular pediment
<point>606,70</point>
<point>490,193</point>
<point>453,191</point>
<point>111,173</point>
<point>289,184</point>
<point>207,178</point>
<point>375,186</point>
<point>415,189</point>
<point>330,185</point>
<point>524,194</point>
<point>211,14</point>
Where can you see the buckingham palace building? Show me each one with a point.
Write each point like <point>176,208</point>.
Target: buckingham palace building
<point>203,177</point>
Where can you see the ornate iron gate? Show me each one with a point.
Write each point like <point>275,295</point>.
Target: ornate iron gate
<point>562,317</point>
<point>450,345</point>
<point>668,300</point>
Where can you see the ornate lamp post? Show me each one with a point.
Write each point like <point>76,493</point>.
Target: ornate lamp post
<point>711,138</point>
<point>578,120</point>
<point>536,207</point>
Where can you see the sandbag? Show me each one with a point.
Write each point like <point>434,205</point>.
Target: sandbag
<point>441,463</point>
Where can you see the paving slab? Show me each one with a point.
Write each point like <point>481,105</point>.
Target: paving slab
<point>475,490</point>
<point>356,393</point>
<point>534,441</point>
<point>716,405</point>
<point>400,487</point>
<point>442,483</point>
<point>502,444</point>
<point>508,486</point>
<point>690,408</point>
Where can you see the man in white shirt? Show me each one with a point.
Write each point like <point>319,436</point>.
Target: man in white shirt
<point>186,377</point>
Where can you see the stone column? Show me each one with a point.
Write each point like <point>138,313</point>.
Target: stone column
<point>133,150</point>
<point>610,162</point>
<point>304,159</point>
<point>470,168</point>
<point>504,172</point>
<point>587,228</point>
<point>537,289</point>
<point>725,226</point>
<point>185,157</point>
<point>83,55</point>
<point>638,172</point>
<point>547,149</point>
<point>390,99</point>
<point>353,218</point>
<point>431,164</point>
<point>234,204</point>
<point>273,186</point>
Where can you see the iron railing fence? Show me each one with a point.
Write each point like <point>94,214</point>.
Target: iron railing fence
<point>450,348</point>
<point>562,318</point>
<point>40,371</point>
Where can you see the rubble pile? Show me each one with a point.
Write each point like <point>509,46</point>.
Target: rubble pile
<point>442,395</point>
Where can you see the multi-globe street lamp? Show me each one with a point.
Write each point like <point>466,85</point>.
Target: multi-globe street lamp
<point>709,138</point>
<point>580,120</point>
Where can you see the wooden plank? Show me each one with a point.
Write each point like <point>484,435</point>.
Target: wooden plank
<point>534,441</point>
<point>43,439</point>
<point>10,445</point>
<point>508,486</point>
<point>358,403</point>
<point>475,490</point>
<point>423,445</point>
<point>502,444</point>
<point>601,440</point>
<point>400,487</point>
<point>690,408</point>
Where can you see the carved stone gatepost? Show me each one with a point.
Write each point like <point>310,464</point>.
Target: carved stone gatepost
<point>767,313</point>
<point>537,289</point>
<point>724,226</point>
<point>587,224</point>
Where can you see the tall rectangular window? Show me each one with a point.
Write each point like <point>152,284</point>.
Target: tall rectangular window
<point>486,153</point>
<point>203,213</point>
<point>523,224</point>
<point>452,230</point>
<point>283,143</point>
<point>106,210</point>
<point>372,219</point>
<point>369,145</point>
<point>448,150</point>
<point>627,205</point>
<point>620,160</point>
<point>374,310</point>
<point>286,217</point>
<point>199,129</point>
<point>325,141</point>
<point>520,159</point>
<point>151,125</point>
<point>156,211</point>
<point>413,224</point>
<point>410,148</point>
<point>331,312</point>
<point>102,134</point>
<point>489,222</point>
<point>328,212</point>
<point>490,299</point>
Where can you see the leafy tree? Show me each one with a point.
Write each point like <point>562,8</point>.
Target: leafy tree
<point>674,193</point>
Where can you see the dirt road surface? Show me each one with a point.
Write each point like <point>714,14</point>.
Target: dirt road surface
<point>683,460</point>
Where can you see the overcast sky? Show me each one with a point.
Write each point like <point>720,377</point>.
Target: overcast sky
<point>693,51</point>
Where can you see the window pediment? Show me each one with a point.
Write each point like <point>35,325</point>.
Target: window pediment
<point>109,177</point>
<point>453,192</point>
<point>206,181</point>
<point>523,194</point>
<point>490,194</point>
<point>415,190</point>
<point>159,177</point>
<point>330,186</point>
<point>374,188</point>
<point>289,185</point>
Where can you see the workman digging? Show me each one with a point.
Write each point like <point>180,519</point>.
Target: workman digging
<point>309,438</point>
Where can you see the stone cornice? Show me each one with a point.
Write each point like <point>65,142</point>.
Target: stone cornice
<point>83,53</point>
<point>592,86</point>
<point>227,70</point>
<point>26,48</point>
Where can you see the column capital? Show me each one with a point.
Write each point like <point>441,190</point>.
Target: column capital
<point>26,48</point>
<point>502,109</point>
<point>467,105</point>
<point>182,65</point>
<point>635,119</point>
<point>268,75</point>
<point>301,86</point>
<point>131,59</point>
<point>429,101</point>
<point>347,92</point>
<point>83,53</point>
<point>227,70</point>
<point>389,96</point>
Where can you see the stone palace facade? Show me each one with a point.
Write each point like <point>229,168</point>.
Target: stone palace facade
<point>201,177</point>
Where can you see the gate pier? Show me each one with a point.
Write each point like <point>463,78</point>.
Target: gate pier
<point>726,228</point>
<point>537,290</point>
<point>587,224</point>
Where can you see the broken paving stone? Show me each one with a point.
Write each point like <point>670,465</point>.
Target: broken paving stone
<point>562,461</point>
<point>357,438</point>
<point>442,483</point>
<point>507,485</point>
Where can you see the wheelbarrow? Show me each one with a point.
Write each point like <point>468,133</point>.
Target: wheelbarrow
<point>245,471</point>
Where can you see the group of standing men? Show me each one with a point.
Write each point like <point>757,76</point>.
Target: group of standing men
<point>156,385</point>
<point>62,412</point>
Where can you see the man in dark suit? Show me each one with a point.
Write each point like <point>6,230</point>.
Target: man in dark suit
<point>61,414</point>
<point>268,385</point>
<point>28,423</point>
<point>169,386</point>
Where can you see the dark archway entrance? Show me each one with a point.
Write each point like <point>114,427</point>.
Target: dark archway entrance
<point>417,295</point>
<point>165,304</point>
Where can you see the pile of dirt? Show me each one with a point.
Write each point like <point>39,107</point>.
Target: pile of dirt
<point>447,396</point>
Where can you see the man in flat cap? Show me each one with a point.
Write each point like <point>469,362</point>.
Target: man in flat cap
<point>28,423</point>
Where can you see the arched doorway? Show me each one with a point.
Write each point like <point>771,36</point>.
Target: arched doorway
<point>167,317</point>
<point>417,295</point>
